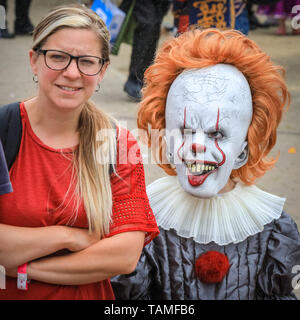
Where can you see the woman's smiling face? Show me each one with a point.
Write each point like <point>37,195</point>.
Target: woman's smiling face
<point>208,112</point>
<point>67,88</point>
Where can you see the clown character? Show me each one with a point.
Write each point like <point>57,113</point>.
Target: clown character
<point>219,100</point>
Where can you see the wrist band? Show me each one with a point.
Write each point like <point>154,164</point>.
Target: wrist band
<point>22,282</point>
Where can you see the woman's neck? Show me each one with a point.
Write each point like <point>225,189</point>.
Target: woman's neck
<point>56,128</point>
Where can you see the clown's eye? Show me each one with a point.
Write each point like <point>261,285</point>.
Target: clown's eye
<point>215,135</point>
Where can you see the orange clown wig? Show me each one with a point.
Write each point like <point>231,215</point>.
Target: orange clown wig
<point>196,49</point>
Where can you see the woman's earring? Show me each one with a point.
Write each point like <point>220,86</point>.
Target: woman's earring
<point>98,87</point>
<point>35,79</point>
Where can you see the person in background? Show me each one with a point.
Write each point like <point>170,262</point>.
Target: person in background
<point>281,11</point>
<point>148,15</point>
<point>23,24</point>
<point>211,14</point>
<point>253,20</point>
<point>252,11</point>
<point>79,213</point>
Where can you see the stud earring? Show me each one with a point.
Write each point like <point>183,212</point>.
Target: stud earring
<point>98,87</point>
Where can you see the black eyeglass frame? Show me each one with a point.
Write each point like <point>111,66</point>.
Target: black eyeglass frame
<point>44,52</point>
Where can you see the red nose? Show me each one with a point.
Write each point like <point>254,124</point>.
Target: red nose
<point>197,147</point>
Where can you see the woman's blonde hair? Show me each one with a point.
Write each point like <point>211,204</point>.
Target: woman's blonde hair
<point>92,167</point>
<point>199,49</point>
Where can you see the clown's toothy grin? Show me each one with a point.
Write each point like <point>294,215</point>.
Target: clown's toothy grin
<point>197,168</point>
<point>198,171</point>
<point>200,168</point>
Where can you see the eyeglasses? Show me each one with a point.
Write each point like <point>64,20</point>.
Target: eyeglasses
<point>59,60</point>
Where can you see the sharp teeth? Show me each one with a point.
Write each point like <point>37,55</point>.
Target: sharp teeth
<point>197,167</point>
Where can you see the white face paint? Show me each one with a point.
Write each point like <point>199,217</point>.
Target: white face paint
<point>208,112</point>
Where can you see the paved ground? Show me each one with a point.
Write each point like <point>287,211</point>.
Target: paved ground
<point>16,84</point>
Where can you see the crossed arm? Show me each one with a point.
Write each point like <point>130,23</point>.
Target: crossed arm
<point>92,259</point>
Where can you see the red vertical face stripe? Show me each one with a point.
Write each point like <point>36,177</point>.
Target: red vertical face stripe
<point>184,124</point>
<point>216,141</point>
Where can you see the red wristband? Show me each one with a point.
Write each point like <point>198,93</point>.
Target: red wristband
<point>22,282</point>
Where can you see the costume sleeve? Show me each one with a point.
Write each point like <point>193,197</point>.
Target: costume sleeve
<point>5,185</point>
<point>131,208</point>
<point>281,267</point>
<point>137,285</point>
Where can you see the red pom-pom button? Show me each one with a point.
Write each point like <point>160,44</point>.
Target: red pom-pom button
<point>212,266</point>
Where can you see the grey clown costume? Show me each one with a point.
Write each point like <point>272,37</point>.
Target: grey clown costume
<point>263,259</point>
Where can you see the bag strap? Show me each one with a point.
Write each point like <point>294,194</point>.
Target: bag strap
<point>10,131</point>
<point>112,166</point>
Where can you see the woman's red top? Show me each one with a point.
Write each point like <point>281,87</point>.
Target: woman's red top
<point>40,178</point>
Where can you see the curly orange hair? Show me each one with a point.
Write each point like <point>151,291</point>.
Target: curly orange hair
<point>202,48</point>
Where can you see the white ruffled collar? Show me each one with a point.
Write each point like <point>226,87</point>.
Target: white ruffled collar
<point>230,217</point>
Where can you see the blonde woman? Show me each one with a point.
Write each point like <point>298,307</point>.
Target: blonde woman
<point>73,220</point>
